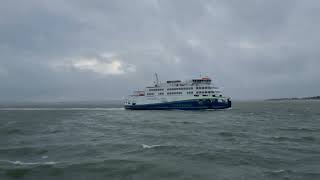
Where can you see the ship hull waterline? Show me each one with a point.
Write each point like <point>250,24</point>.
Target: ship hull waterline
<point>183,105</point>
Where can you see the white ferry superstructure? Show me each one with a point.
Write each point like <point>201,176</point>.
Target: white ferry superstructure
<point>199,93</point>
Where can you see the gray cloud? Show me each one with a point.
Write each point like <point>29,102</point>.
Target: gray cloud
<point>90,50</point>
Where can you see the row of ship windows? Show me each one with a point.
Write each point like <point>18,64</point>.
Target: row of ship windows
<point>173,93</point>
<point>184,88</point>
<point>169,93</point>
<point>205,87</point>
<point>207,95</point>
<point>156,89</point>
<point>172,89</point>
<point>206,92</point>
<point>189,92</point>
<point>179,93</point>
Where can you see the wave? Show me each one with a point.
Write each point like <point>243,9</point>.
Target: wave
<point>284,138</point>
<point>60,109</point>
<point>224,133</point>
<point>307,129</point>
<point>29,163</point>
<point>145,146</point>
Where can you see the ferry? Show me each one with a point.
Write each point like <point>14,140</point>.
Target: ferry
<point>193,94</point>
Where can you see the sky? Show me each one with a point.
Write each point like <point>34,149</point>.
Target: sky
<point>74,50</point>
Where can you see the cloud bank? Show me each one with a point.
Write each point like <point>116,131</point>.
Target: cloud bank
<point>93,50</point>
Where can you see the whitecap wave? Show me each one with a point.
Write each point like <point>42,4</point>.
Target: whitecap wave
<point>279,171</point>
<point>29,163</point>
<point>145,146</point>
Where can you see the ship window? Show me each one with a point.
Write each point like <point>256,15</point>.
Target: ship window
<point>196,95</point>
<point>204,95</point>
<point>213,95</point>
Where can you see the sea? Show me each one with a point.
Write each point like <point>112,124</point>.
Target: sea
<point>101,141</point>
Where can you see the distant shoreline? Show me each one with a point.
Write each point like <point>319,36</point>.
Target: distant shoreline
<point>293,99</point>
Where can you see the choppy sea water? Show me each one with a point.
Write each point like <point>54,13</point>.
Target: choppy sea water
<point>253,140</point>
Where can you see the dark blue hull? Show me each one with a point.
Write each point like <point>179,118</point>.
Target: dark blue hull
<point>195,104</point>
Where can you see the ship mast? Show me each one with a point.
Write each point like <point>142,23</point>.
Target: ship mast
<point>157,79</point>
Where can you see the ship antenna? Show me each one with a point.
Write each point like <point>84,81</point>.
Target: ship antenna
<point>157,79</point>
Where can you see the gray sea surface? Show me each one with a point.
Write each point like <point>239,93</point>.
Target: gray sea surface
<point>253,140</point>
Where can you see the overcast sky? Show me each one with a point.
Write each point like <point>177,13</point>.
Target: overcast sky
<point>55,50</point>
